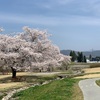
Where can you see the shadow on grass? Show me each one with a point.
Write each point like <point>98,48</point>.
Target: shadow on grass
<point>28,79</point>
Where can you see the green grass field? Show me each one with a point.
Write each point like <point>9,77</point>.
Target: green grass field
<point>66,89</point>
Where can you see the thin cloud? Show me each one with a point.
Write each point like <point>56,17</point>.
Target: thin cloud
<point>83,20</point>
<point>50,21</point>
<point>10,18</point>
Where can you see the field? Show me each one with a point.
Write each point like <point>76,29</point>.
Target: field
<point>60,86</point>
<point>65,89</point>
<point>90,73</point>
<point>92,70</point>
<point>26,78</point>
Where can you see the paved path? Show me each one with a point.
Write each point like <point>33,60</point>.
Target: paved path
<point>90,90</point>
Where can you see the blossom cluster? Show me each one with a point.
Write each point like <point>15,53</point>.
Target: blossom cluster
<point>30,50</point>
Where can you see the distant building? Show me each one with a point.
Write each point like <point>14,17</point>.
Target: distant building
<point>93,60</point>
<point>87,60</point>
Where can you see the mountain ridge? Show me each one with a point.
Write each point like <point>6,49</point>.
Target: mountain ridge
<point>86,53</point>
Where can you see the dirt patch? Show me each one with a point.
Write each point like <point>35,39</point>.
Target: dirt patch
<point>91,73</point>
<point>30,73</point>
<point>4,86</point>
<point>89,76</point>
<point>92,70</point>
<point>77,92</point>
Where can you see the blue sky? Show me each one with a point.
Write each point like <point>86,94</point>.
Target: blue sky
<point>74,24</point>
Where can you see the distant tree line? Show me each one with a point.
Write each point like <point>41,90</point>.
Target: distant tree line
<point>79,57</point>
<point>97,58</point>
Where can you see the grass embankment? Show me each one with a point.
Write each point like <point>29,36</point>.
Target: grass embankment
<point>23,79</point>
<point>7,83</point>
<point>66,89</point>
<point>98,82</point>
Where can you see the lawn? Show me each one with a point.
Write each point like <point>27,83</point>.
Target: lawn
<point>66,89</point>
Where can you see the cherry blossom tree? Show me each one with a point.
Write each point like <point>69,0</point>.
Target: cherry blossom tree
<point>30,50</point>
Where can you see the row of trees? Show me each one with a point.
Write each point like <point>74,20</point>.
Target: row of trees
<point>79,57</point>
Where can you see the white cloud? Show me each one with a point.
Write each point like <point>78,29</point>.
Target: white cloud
<point>21,19</point>
<point>50,21</point>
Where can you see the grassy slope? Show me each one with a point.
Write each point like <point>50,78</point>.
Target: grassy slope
<point>66,89</point>
<point>98,82</point>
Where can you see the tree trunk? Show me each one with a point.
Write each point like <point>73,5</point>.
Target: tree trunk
<point>13,72</point>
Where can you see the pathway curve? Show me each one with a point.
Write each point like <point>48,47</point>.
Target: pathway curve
<point>89,88</point>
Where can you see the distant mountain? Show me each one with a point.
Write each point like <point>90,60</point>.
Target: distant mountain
<point>65,52</point>
<point>86,53</point>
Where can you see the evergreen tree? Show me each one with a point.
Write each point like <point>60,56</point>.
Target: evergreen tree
<point>84,59</point>
<point>73,55</point>
<point>80,57</point>
<point>90,57</point>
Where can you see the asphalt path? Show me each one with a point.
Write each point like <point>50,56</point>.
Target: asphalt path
<point>90,90</point>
